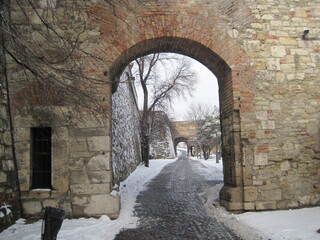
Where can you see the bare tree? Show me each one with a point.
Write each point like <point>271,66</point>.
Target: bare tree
<point>207,121</point>
<point>48,42</point>
<point>162,77</point>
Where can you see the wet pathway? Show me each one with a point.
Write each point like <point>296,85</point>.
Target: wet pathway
<point>171,208</point>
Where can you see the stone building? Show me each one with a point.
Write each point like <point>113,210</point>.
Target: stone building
<point>161,142</point>
<point>265,55</point>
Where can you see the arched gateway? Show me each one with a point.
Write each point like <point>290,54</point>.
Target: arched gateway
<point>269,153</point>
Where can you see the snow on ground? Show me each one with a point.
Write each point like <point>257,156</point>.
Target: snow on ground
<point>276,225</point>
<point>91,228</point>
<point>299,224</point>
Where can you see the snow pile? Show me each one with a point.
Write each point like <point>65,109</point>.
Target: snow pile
<point>300,224</point>
<point>5,210</point>
<point>286,224</point>
<point>210,170</point>
<point>95,229</point>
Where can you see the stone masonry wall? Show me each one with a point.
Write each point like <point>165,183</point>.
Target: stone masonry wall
<point>10,208</point>
<point>268,77</point>
<point>126,147</point>
<point>281,161</point>
<point>161,143</point>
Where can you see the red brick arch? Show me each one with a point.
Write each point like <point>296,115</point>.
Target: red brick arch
<point>199,34</point>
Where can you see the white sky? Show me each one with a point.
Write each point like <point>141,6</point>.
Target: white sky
<point>206,92</point>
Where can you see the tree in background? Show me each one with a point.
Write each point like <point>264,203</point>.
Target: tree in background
<point>207,121</point>
<point>162,77</point>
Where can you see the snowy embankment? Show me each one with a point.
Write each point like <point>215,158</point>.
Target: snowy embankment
<point>299,224</point>
<point>277,225</point>
<point>91,228</point>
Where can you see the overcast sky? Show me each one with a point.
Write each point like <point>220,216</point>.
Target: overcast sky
<point>206,92</point>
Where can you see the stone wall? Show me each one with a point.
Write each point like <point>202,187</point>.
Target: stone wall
<point>10,208</point>
<point>268,77</point>
<point>126,146</point>
<point>280,139</point>
<point>161,143</point>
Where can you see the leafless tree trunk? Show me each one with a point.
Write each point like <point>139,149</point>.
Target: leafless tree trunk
<point>159,88</point>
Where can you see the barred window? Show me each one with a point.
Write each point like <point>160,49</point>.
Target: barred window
<point>41,157</point>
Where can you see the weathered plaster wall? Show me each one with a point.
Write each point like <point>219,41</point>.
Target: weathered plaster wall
<point>126,147</point>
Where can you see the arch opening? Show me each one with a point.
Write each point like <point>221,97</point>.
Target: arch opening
<point>229,116</point>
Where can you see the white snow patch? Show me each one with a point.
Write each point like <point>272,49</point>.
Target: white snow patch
<point>7,210</point>
<point>41,190</point>
<point>211,170</point>
<point>285,224</point>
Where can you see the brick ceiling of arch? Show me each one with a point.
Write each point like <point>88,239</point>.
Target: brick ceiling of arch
<point>197,29</point>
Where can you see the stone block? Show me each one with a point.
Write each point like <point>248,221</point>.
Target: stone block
<point>285,166</point>
<point>271,194</point>
<point>7,138</point>
<point>7,165</point>
<point>80,200</point>
<point>78,177</point>
<point>99,162</point>
<point>3,177</point>
<point>250,194</point>
<point>268,205</point>
<point>50,203</point>
<point>261,159</point>
<point>78,146</point>
<point>288,41</point>
<point>31,207</point>
<point>231,194</point>
<point>100,176</point>
<point>270,124</point>
<point>261,115</point>
<point>77,210</point>
<point>41,193</point>
<point>66,206</point>
<point>278,51</point>
<point>304,200</point>
<point>91,188</point>
<point>273,64</point>
<point>60,182</point>
<point>247,175</point>
<point>103,204</point>
<point>60,153</point>
<point>99,143</point>
<point>249,206</point>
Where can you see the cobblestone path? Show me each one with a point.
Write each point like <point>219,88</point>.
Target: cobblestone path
<point>171,208</point>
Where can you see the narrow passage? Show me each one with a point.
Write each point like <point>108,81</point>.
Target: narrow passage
<point>171,208</point>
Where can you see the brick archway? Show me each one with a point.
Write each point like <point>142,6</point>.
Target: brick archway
<point>178,140</point>
<point>229,94</point>
<point>197,30</point>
